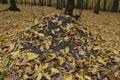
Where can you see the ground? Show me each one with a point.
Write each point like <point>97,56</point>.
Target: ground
<point>105,27</point>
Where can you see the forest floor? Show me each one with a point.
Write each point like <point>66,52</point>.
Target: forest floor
<point>104,27</point>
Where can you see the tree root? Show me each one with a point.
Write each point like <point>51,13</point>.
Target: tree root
<point>13,9</point>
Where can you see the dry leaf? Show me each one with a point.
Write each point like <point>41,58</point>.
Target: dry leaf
<point>39,76</point>
<point>47,76</point>
<point>82,53</point>
<point>15,54</point>
<point>96,48</point>
<point>5,62</point>
<point>31,56</point>
<point>47,46</point>
<point>67,50</point>
<point>87,77</point>
<point>55,70</point>
<point>101,60</point>
<point>45,66</point>
<point>53,32</point>
<point>80,77</point>
<point>61,60</point>
<point>51,56</point>
<point>68,77</point>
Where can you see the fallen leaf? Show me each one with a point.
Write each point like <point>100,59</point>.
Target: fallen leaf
<point>53,32</point>
<point>61,60</point>
<point>47,76</point>
<point>47,46</point>
<point>55,70</point>
<point>67,50</point>
<point>25,77</point>
<point>101,60</point>
<point>82,53</point>
<point>96,48</point>
<point>15,54</point>
<point>51,56</point>
<point>87,77</point>
<point>41,35</point>
<point>80,77</point>
<point>5,62</point>
<point>39,76</point>
<point>36,21</point>
<point>68,77</point>
<point>2,76</point>
<point>31,56</point>
<point>45,66</point>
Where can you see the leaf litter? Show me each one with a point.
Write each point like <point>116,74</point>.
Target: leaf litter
<point>57,48</point>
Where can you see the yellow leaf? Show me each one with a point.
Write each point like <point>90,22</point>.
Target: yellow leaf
<point>96,48</point>
<point>52,56</point>
<point>54,70</point>
<point>12,46</point>
<point>100,60</point>
<point>25,77</point>
<point>49,41</point>
<point>45,66</point>
<point>66,38</point>
<point>36,21</point>
<point>47,46</point>
<point>67,50</point>
<point>79,76</point>
<point>93,70</point>
<point>41,35</point>
<point>28,69</point>
<point>39,76</point>
<point>53,32</point>
<point>15,54</point>
<point>115,52</point>
<point>68,77</point>
<point>31,56</point>
<point>47,76</point>
<point>70,58</point>
<point>87,77</point>
<point>61,60</point>
<point>117,73</point>
<point>82,53</point>
<point>5,62</point>
<point>2,70</point>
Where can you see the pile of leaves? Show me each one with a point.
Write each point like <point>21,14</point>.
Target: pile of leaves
<point>57,48</point>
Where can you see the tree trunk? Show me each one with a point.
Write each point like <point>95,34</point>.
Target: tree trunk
<point>50,3</point>
<point>97,7</point>
<point>115,6</point>
<point>34,2</point>
<point>86,4</point>
<point>80,8</point>
<point>80,4</point>
<point>41,2</point>
<point>69,7</point>
<point>4,1</point>
<point>21,1</point>
<point>13,6</point>
<point>25,2</point>
<point>63,3</point>
<point>59,4</point>
<point>45,2</point>
<point>104,7</point>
